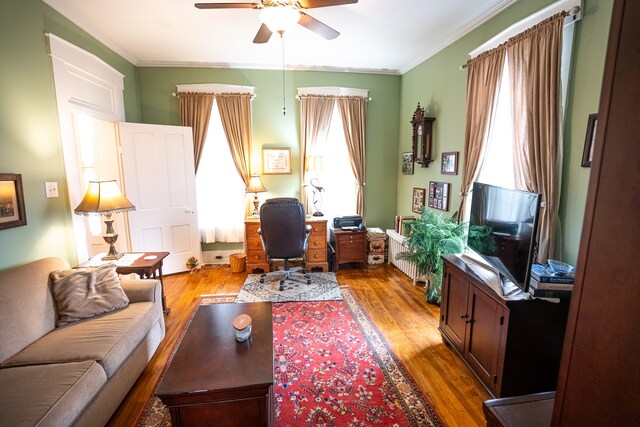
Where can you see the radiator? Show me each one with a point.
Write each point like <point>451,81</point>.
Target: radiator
<point>396,245</point>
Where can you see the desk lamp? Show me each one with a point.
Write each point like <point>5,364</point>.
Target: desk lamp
<point>255,187</point>
<point>105,198</point>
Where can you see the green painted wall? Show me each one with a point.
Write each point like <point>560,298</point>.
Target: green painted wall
<point>272,129</point>
<point>440,87</point>
<point>30,141</point>
<point>29,134</point>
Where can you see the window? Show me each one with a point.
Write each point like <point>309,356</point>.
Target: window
<point>220,192</point>
<point>336,175</point>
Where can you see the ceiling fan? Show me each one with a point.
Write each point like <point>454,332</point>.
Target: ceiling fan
<point>279,15</point>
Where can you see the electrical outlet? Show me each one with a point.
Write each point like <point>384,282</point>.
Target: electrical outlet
<point>51,189</point>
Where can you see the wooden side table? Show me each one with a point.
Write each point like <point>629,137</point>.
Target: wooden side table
<point>350,246</point>
<point>147,268</point>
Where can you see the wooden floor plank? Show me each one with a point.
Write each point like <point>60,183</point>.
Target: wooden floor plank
<point>395,305</point>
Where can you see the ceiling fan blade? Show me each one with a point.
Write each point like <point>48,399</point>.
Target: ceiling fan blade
<point>227,5</point>
<point>317,27</point>
<point>310,4</point>
<point>264,34</point>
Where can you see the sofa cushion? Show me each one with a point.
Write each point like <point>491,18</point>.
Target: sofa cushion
<point>86,292</point>
<point>48,395</point>
<point>27,310</point>
<point>107,339</point>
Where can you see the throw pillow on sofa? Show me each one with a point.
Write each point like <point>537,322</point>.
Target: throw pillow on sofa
<point>87,292</point>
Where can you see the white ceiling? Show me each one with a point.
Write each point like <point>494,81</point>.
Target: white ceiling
<point>385,36</point>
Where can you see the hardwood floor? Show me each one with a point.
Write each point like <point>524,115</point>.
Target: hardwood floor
<point>396,306</point>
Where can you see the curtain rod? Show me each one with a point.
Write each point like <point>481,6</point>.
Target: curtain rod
<point>253,95</point>
<point>366,98</point>
<point>573,12</point>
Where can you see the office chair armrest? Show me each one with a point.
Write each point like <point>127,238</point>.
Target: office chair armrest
<point>307,233</point>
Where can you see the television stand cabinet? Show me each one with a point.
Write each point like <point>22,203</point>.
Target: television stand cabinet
<point>512,346</point>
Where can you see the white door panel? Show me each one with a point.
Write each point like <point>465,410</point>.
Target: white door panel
<point>160,181</point>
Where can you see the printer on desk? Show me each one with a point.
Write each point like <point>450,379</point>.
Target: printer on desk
<point>347,221</point>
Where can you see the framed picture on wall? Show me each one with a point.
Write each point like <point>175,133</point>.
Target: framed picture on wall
<point>449,164</point>
<point>439,195</point>
<point>276,161</point>
<point>407,163</point>
<point>12,213</point>
<point>417,202</point>
<point>587,152</point>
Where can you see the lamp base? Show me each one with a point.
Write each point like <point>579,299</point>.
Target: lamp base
<point>114,257</point>
<point>111,237</point>
<point>318,214</point>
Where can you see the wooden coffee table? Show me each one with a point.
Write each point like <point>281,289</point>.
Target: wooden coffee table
<point>215,380</point>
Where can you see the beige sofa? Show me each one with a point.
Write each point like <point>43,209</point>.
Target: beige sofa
<point>75,374</point>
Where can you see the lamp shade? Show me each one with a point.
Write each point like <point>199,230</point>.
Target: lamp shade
<point>279,18</point>
<point>102,198</point>
<point>255,185</point>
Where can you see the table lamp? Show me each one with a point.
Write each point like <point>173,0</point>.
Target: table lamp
<point>255,187</point>
<point>105,198</point>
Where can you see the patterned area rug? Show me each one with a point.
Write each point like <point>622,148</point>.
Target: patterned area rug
<point>323,287</point>
<point>332,367</point>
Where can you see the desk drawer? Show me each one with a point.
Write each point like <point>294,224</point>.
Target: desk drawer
<point>256,257</point>
<point>317,242</point>
<point>317,255</point>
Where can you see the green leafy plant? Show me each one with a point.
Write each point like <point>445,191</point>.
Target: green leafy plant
<point>432,236</point>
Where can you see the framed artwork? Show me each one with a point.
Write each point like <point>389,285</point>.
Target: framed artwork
<point>587,152</point>
<point>449,164</point>
<point>407,163</point>
<point>417,202</point>
<point>439,195</point>
<point>12,213</point>
<point>276,161</point>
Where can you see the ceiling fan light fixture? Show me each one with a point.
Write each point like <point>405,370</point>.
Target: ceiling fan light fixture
<point>279,18</point>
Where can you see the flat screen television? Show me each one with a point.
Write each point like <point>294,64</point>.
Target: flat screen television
<point>502,229</point>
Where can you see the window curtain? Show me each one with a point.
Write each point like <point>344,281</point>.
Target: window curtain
<point>315,115</point>
<point>484,73</point>
<point>534,66</point>
<point>353,112</point>
<point>235,113</point>
<point>195,110</point>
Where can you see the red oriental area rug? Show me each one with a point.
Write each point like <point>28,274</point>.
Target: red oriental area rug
<point>332,367</point>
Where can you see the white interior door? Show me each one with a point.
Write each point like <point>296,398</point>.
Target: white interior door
<point>159,177</point>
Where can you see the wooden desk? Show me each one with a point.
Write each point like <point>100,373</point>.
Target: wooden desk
<point>215,380</point>
<point>148,269</point>
<point>316,252</point>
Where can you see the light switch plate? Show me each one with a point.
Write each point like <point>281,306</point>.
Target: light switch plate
<point>51,189</point>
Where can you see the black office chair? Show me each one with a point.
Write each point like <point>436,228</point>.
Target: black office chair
<point>284,234</point>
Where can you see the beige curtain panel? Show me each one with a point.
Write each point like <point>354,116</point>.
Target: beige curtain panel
<point>484,73</point>
<point>354,112</point>
<point>315,119</point>
<point>195,110</point>
<point>534,72</point>
<point>235,114</point>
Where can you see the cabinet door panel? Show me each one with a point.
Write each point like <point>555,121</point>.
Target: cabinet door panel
<point>484,336</point>
<point>456,290</point>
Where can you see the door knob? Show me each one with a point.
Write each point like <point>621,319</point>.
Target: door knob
<point>188,210</point>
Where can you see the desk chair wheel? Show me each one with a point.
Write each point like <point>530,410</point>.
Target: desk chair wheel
<point>306,276</point>
<point>282,285</point>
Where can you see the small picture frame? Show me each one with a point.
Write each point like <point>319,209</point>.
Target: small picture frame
<point>12,213</point>
<point>587,152</point>
<point>276,161</point>
<point>439,195</point>
<point>449,165</point>
<point>417,202</point>
<point>407,163</point>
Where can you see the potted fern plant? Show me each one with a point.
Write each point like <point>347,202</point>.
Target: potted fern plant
<point>432,236</point>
